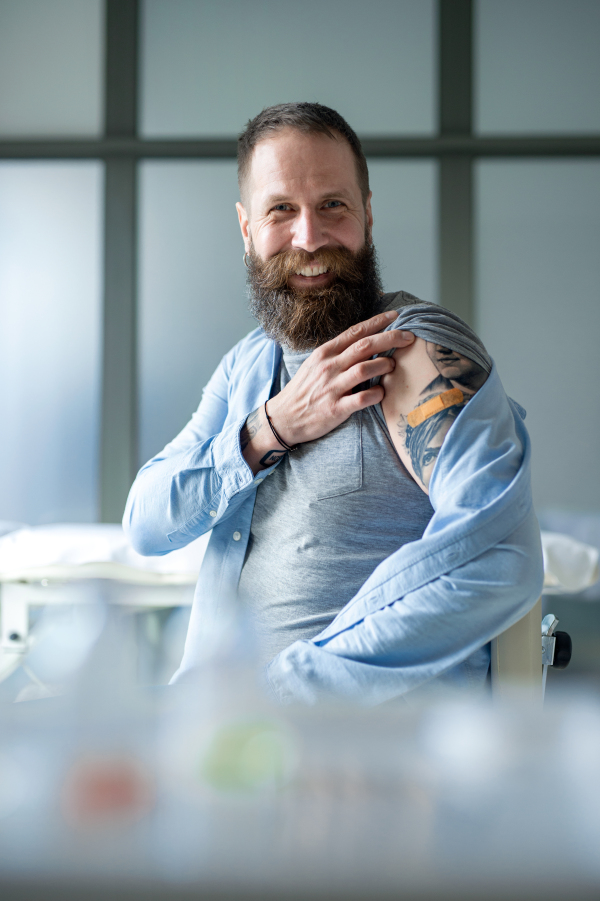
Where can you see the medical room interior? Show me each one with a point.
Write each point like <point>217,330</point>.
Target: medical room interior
<point>122,285</point>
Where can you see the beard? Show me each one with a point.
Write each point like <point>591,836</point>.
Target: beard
<point>304,319</point>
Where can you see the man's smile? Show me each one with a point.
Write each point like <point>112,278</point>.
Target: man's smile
<point>312,269</point>
<point>312,275</point>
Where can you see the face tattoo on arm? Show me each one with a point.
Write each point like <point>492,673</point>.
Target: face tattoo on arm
<point>250,428</point>
<point>424,396</point>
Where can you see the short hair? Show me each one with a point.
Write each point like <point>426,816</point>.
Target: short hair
<point>309,118</point>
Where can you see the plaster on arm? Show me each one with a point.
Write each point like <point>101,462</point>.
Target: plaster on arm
<point>424,395</point>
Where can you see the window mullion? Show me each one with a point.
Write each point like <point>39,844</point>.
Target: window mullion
<point>456,171</point>
<point>118,444</point>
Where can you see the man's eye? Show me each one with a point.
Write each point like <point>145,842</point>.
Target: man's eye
<point>332,204</point>
<point>281,208</point>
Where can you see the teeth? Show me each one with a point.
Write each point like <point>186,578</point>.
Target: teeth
<point>312,270</point>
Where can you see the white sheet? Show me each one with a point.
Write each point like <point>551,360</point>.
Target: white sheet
<point>70,551</point>
<point>569,565</point>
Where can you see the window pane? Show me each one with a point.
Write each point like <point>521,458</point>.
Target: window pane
<point>50,285</point>
<point>537,66</point>
<point>405,225</point>
<point>51,67</point>
<point>209,67</point>
<point>539,312</point>
<point>193,305</point>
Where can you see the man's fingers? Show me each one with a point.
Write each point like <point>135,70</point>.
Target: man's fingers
<point>353,402</point>
<point>321,390</point>
<point>363,371</point>
<point>371,345</point>
<point>356,332</point>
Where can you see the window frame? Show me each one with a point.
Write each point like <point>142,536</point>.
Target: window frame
<point>455,147</point>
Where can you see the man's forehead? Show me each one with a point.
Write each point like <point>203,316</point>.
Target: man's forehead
<point>291,160</point>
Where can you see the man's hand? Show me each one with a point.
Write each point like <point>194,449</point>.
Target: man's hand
<point>320,396</point>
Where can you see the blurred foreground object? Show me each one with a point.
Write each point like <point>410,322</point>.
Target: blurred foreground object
<point>207,789</point>
<point>210,790</point>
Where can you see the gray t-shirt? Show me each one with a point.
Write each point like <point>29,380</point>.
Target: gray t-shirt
<point>323,521</point>
<point>335,508</point>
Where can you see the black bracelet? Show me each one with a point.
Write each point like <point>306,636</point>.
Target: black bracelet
<point>281,441</point>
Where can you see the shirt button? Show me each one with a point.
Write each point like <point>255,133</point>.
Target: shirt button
<point>213,512</point>
<point>237,536</point>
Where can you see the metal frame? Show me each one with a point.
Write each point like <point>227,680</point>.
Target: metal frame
<point>436,147</point>
<point>455,147</point>
<point>118,441</point>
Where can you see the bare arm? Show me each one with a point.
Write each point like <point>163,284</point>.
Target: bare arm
<point>259,446</point>
<point>424,394</point>
<point>320,396</point>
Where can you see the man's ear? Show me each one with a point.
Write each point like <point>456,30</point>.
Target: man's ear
<point>244,225</point>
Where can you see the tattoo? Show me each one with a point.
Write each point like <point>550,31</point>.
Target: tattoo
<point>455,369</point>
<point>424,442</point>
<point>423,424</point>
<point>250,429</point>
<point>271,457</point>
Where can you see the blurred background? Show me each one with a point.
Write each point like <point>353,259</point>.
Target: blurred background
<point>121,274</point>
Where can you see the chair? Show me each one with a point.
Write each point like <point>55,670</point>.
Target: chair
<point>522,654</point>
<point>517,657</point>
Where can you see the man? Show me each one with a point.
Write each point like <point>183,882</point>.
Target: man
<point>298,459</point>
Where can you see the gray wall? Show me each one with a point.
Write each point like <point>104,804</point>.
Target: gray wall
<point>538,284</point>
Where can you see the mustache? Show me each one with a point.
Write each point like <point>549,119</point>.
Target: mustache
<point>273,274</point>
<point>305,318</point>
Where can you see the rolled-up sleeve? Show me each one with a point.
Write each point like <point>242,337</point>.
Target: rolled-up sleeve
<point>196,482</point>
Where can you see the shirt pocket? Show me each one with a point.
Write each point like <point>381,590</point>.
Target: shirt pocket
<point>333,463</point>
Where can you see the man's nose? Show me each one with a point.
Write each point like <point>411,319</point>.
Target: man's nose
<point>308,232</point>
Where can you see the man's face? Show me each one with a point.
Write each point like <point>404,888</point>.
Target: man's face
<point>312,270</point>
<point>303,194</point>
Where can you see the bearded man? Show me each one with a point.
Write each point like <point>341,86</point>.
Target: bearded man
<point>372,564</point>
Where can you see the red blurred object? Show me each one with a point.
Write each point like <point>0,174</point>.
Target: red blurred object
<point>107,790</point>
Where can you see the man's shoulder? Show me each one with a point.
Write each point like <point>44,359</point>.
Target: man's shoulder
<point>254,353</point>
<point>251,344</point>
<point>396,299</point>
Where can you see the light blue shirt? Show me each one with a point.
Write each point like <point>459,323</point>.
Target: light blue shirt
<point>427,611</point>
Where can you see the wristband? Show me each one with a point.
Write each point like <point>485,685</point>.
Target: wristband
<point>278,437</point>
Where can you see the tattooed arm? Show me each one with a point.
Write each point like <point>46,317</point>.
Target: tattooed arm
<point>259,446</point>
<point>423,396</point>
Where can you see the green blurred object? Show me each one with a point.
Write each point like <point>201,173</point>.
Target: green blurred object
<point>247,757</point>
